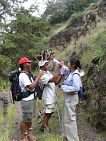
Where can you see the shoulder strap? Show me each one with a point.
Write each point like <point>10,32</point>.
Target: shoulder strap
<point>76,73</point>
<point>30,75</point>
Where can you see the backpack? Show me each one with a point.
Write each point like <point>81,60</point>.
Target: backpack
<point>15,88</point>
<point>39,90</point>
<point>81,92</point>
<point>17,95</point>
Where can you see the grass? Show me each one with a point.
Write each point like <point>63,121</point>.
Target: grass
<point>6,129</point>
<point>1,115</point>
<point>88,48</point>
<point>3,84</point>
<point>58,27</point>
<point>54,123</point>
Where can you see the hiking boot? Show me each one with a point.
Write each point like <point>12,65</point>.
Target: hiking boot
<point>30,136</point>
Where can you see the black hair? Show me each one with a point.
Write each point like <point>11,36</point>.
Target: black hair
<point>75,61</point>
<point>21,66</point>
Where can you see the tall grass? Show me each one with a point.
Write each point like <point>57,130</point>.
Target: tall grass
<point>3,84</point>
<point>6,130</point>
<point>1,115</point>
<point>54,123</point>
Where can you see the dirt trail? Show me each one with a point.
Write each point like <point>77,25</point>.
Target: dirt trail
<point>5,95</point>
<point>16,128</point>
<point>86,132</point>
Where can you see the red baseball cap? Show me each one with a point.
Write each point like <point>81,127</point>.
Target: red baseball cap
<point>24,60</point>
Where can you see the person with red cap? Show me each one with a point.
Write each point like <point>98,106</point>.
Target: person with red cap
<point>27,85</point>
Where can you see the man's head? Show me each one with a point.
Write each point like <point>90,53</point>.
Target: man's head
<point>44,65</point>
<point>25,63</point>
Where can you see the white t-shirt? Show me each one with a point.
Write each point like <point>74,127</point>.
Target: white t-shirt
<point>49,95</point>
<point>23,82</point>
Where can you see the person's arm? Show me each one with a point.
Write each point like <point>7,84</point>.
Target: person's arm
<point>64,70</point>
<point>34,83</point>
<point>56,74</point>
<point>75,87</point>
<point>58,79</point>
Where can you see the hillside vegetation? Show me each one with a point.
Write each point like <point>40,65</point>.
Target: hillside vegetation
<point>83,35</point>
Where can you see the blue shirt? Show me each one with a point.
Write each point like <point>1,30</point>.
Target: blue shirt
<point>72,83</point>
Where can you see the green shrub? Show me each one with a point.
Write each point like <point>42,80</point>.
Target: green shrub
<point>3,84</point>
<point>5,65</point>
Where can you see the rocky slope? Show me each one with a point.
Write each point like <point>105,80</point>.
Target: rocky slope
<point>79,26</point>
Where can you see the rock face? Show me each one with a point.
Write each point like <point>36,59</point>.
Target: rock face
<point>78,26</point>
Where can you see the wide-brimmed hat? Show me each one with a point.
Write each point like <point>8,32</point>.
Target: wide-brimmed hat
<point>24,60</point>
<point>42,63</point>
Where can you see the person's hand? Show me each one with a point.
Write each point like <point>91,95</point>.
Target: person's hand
<point>60,65</point>
<point>41,72</point>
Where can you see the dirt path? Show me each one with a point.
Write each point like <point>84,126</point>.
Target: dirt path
<point>86,132</point>
<point>16,128</point>
<point>5,95</point>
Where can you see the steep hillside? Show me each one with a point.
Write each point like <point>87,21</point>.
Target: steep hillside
<point>89,33</point>
<point>79,26</point>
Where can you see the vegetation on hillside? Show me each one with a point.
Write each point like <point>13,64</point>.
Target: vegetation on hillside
<point>61,10</point>
<point>92,53</point>
<point>27,35</point>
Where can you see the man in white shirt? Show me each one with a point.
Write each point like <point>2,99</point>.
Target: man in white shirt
<point>49,94</point>
<point>27,85</point>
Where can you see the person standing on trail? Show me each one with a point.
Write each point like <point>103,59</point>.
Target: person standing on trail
<point>70,86</point>
<point>49,94</point>
<point>27,104</point>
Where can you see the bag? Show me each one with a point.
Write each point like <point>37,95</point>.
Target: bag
<point>39,91</point>
<point>15,88</point>
<point>81,92</point>
<point>17,95</point>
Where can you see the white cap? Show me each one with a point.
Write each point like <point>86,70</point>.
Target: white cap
<point>42,63</point>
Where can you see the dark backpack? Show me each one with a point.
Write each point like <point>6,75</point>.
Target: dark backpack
<point>81,92</point>
<point>17,95</point>
<point>15,88</point>
<point>39,90</point>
